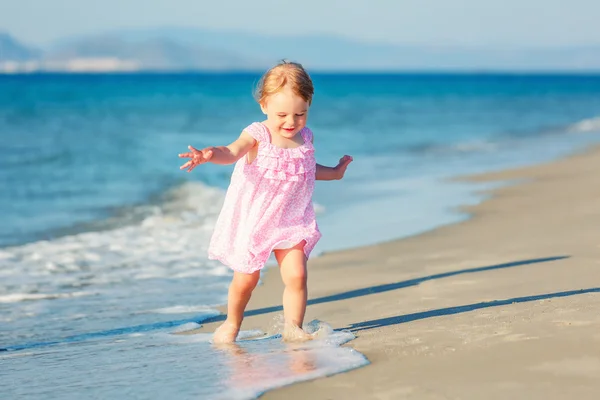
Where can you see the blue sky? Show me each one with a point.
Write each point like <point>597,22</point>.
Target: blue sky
<point>443,22</point>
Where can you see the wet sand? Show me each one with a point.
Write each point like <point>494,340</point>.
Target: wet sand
<point>503,305</point>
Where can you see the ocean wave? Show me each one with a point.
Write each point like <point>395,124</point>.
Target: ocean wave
<point>507,139</point>
<point>436,149</point>
<point>586,125</point>
<point>18,297</point>
<point>181,309</point>
<point>164,239</point>
<point>188,201</point>
<point>169,241</point>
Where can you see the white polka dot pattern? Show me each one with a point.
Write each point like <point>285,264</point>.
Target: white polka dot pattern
<point>268,202</point>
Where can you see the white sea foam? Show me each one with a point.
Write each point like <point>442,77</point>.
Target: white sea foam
<point>176,335</point>
<point>261,365</point>
<point>472,146</point>
<point>258,362</point>
<point>159,264</point>
<point>5,356</point>
<point>483,145</point>
<point>586,125</point>
<point>183,310</point>
<point>254,333</point>
<point>190,326</point>
<point>171,242</point>
<point>319,209</point>
<point>18,297</point>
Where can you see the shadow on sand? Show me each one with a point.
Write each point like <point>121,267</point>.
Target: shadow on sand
<point>335,297</point>
<point>397,285</point>
<point>401,319</point>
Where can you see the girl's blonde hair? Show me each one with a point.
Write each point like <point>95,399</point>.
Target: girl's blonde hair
<point>284,74</point>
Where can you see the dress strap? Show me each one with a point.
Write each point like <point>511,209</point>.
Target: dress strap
<point>307,135</point>
<point>259,132</point>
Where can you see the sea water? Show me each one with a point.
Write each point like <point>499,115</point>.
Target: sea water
<point>103,239</point>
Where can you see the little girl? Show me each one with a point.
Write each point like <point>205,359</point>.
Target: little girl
<point>268,206</point>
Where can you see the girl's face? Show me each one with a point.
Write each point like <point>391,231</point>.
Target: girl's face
<point>286,113</point>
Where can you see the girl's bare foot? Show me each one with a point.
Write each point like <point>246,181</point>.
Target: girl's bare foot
<point>293,333</point>
<point>226,333</point>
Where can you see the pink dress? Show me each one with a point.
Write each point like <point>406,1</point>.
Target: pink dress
<point>268,204</point>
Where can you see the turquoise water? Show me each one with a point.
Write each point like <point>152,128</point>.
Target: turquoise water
<point>103,239</point>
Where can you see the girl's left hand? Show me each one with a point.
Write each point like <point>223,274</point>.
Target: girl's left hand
<point>342,165</point>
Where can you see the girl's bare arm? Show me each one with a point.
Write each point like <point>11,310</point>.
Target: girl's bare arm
<point>219,154</point>
<point>333,173</point>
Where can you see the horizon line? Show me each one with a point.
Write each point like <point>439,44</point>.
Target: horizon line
<point>328,71</point>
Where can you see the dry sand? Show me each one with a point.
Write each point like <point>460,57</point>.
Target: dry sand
<point>503,305</point>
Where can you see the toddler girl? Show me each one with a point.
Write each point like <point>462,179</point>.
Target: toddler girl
<point>268,206</point>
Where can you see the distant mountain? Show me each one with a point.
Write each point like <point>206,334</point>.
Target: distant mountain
<point>328,52</point>
<point>176,49</point>
<point>12,50</point>
<point>152,53</point>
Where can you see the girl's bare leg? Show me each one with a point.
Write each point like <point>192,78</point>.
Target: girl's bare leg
<point>240,290</point>
<point>292,263</point>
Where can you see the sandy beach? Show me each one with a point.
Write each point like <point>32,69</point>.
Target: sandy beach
<point>503,305</point>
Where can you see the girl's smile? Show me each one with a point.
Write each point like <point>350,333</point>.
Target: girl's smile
<point>286,113</point>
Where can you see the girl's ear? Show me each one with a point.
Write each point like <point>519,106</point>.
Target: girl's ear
<point>263,107</point>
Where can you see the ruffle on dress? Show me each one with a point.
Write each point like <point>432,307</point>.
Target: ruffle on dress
<point>284,164</point>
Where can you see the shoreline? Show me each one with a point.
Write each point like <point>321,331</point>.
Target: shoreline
<point>429,311</point>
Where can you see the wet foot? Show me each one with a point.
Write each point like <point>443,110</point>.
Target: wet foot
<point>226,333</point>
<point>293,333</point>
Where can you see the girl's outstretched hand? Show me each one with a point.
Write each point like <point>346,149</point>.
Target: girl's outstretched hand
<point>197,157</point>
<point>342,165</point>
